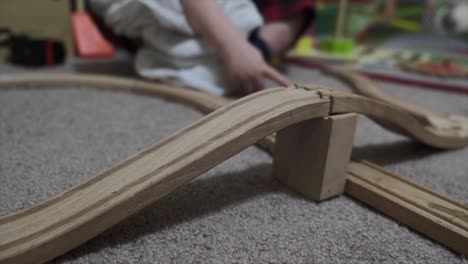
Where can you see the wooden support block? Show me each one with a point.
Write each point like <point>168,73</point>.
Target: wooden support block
<point>311,157</point>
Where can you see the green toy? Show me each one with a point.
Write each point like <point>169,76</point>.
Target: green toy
<point>338,45</point>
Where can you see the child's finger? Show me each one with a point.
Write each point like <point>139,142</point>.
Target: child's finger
<point>277,77</point>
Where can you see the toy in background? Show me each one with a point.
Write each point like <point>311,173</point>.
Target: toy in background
<point>338,44</point>
<point>384,19</point>
<point>30,34</point>
<point>448,16</point>
<point>89,42</point>
<point>352,23</point>
<point>28,51</point>
<point>394,41</point>
<point>371,22</point>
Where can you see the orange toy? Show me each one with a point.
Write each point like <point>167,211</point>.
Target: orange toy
<point>89,42</point>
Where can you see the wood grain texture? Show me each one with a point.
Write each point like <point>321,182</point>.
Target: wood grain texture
<point>426,117</point>
<point>424,210</point>
<point>364,86</point>
<point>54,226</point>
<point>453,134</point>
<point>433,129</point>
<point>201,101</point>
<point>447,133</point>
<point>315,166</point>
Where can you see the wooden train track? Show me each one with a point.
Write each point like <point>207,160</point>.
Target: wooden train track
<point>67,220</point>
<point>422,209</point>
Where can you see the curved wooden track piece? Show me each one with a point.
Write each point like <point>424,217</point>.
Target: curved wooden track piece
<point>201,101</point>
<point>364,86</point>
<point>65,221</point>
<point>434,129</point>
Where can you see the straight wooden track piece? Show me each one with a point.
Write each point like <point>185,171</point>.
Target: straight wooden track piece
<point>315,166</point>
<point>424,210</point>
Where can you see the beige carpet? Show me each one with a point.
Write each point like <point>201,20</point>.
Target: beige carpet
<point>53,139</point>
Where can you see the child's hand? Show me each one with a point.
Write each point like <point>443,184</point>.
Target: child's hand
<point>244,63</point>
<point>247,69</point>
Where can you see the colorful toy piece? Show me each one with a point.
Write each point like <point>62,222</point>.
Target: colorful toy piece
<point>338,45</point>
<point>304,45</point>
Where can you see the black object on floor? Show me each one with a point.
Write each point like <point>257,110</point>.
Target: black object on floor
<point>33,52</point>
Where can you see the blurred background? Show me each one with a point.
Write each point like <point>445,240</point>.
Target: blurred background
<point>413,42</point>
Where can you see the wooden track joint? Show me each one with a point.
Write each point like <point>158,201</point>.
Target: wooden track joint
<point>322,92</point>
<point>52,227</point>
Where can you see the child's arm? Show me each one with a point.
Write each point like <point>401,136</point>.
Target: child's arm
<point>245,65</point>
<point>389,10</point>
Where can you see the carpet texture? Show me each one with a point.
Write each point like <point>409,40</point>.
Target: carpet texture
<point>53,139</point>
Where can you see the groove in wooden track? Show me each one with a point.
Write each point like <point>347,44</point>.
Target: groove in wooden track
<point>90,208</point>
<point>434,129</point>
<point>433,120</point>
<point>422,209</point>
<point>81,213</point>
